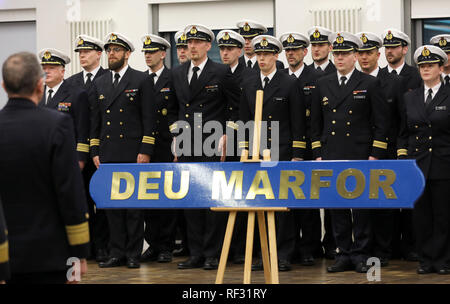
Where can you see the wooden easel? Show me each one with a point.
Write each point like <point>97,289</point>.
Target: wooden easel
<point>269,258</point>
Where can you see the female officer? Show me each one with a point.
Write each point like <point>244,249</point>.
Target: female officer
<point>425,136</point>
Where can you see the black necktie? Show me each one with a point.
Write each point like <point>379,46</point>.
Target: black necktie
<point>116,80</point>
<point>429,97</point>
<point>266,82</point>
<point>343,79</point>
<point>447,80</point>
<point>394,72</point>
<point>89,80</point>
<point>152,77</point>
<point>49,97</point>
<point>249,63</point>
<point>319,69</point>
<point>194,77</point>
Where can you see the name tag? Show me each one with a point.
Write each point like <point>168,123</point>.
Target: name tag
<point>441,108</point>
<point>359,94</point>
<point>279,99</point>
<point>165,90</point>
<point>307,89</point>
<point>64,106</point>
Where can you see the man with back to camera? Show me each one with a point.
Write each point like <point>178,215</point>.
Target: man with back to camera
<point>90,51</point>
<point>122,131</point>
<point>349,122</point>
<point>47,223</point>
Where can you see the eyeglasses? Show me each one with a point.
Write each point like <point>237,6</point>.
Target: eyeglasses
<point>114,49</point>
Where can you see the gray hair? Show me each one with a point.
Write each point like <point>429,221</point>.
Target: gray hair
<point>21,73</point>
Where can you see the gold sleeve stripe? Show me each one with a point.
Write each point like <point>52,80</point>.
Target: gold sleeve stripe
<point>243,144</point>
<point>83,148</point>
<point>402,152</point>
<point>299,144</point>
<point>316,145</point>
<point>173,127</point>
<point>148,140</point>
<point>95,142</point>
<point>4,252</point>
<point>78,234</point>
<point>233,125</point>
<point>380,144</point>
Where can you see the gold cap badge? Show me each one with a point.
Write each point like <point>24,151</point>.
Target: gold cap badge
<point>148,40</point>
<point>364,38</point>
<point>389,35</point>
<point>264,42</point>
<point>113,37</point>
<point>316,34</point>
<point>80,42</point>
<point>183,37</point>
<point>442,42</point>
<point>226,36</point>
<point>291,39</point>
<point>47,55</point>
<point>193,30</point>
<point>339,39</point>
<point>426,52</point>
<point>246,27</point>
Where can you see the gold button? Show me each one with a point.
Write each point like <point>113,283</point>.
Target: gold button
<point>333,122</point>
<point>159,111</point>
<point>417,137</point>
<point>417,150</point>
<point>187,105</point>
<point>348,134</point>
<point>429,125</point>
<point>431,137</point>
<point>121,136</point>
<point>166,97</point>
<point>108,111</point>
<point>201,106</point>
<point>153,133</point>
<point>121,123</point>
<point>121,110</point>
<point>270,117</point>
<point>350,112</point>
<point>348,123</point>
<point>334,110</point>
<point>107,136</point>
<point>333,133</point>
<point>108,123</point>
<point>231,108</point>
<point>430,149</point>
<point>416,126</point>
<point>187,115</point>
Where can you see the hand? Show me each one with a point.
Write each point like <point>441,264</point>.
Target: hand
<point>81,164</point>
<point>372,158</point>
<point>143,158</point>
<point>223,148</point>
<point>2,282</point>
<point>96,161</point>
<point>296,159</point>
<point>319,158</point>
<point>172,147</point>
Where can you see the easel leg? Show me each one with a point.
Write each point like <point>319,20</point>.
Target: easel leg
<point>273,247</point>
<point>226,247</point>
<point>264,247</point>
<point>249,248</point>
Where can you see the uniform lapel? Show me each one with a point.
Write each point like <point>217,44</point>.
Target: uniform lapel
<point>60,96</point>
<point>185,81</point>
<point>438,99</point>
<point>272,87</point>
<point>120,87</point>
<point>420,102</point>
<point>204,77</point>
<point>333,88</point>
<point>348,88</point>
<point>162,80</point>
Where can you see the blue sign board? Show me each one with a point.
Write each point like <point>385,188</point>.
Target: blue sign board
<point>304,184</point>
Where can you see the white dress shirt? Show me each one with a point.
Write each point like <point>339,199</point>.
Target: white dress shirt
<point>298,72</point>
<point>270,76</point>
<point>94,72</point>
<point>398,70</point>
<point>55,89</point>
<point>121,73</point>
<point>339,75</point>
<point>201,66</point>
<point>435,89</point>
<point>157,73</point>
